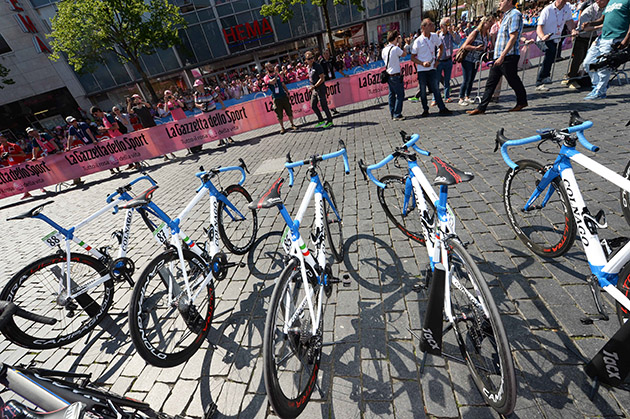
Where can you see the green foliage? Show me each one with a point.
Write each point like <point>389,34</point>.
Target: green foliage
<point>284,8</point>
<point>4,72</point>
<point>85,30</point>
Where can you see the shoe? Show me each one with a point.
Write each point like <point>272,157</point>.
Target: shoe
<point>565,82</point>
<point>320,123</point>
<point>476,112</point>
<point>463,102</point>
<point>425,113</point>
<point>595,96</point>
<point>445,111</point>
<point>111,171</point>
<point>26,195</point>
<point>413,99</point>
<point>293,127</point>
<point>573,86</point>
<point>448,100</point>
<point>230,140</point>
<point>547,80</point>
<point>518,108</point>
<point>328,124</point>
<point>137,166</point>
<point>398,118</point>
<point>542,88</point>
<point>222,142</point>
<point>130,167</point>
<point>78,183</point>
<point>165,159</point>
<point>334,111</point>
<point>433,103</point>
<point>283,131</point>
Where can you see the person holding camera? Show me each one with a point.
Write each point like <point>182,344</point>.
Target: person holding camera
<point>280,96</point>
<point>392,54</point>
<point>615,35</point>
<point>140,108</point>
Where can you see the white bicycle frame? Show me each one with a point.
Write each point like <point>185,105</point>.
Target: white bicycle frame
<point>444,225</point>
<point>295,246</point>
<point>607,272</point>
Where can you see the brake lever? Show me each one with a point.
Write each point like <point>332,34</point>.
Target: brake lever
<point>243,165</point>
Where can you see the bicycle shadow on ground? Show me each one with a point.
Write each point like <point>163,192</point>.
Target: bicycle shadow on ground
<point>265,260</point>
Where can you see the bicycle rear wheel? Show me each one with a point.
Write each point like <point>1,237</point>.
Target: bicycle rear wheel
<point>290,357</point>
<point>392,199</point>
<point>625,196</point>
<point>36,289</point>
<point>623,285</point>
<point>479,330</point>
<point>548,231</point>
<point>237,233</point>
<point>333,225</point>
<point>168,329</point>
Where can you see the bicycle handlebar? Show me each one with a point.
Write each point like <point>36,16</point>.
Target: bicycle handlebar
<point>242,167</point>
<point>410,143</point>
<point>9,309</point>
<point>128,186</point>
<point>290,165</point>
<point>506,143</point>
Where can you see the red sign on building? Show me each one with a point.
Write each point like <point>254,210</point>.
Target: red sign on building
<point>248,31</point>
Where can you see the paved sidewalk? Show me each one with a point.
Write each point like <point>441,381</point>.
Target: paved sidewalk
<point>374,371</point>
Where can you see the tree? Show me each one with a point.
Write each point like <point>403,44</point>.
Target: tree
<point>284,9</point>
<point>4,72</point>
<point>85,30</point>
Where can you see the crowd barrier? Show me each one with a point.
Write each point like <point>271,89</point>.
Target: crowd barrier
<point>192,131</point>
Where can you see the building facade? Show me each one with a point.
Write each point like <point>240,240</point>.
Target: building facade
<point>221,35</point>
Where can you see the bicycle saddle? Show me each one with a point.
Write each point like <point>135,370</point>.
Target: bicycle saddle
<point>271,198</point>
<point>141,200</point>
<point>19,411</point>
<point>31,213</point>
<point>447,174</point>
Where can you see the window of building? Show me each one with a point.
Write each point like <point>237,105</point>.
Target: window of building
<point>4,47</point>
<point>40,3</point>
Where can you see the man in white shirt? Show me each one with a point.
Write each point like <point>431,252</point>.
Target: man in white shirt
<point>423,54</point>
<point>391,54</point>
<point>550,24</point>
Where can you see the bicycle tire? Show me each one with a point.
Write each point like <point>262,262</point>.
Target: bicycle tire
<point>295,369</point>
<point>477,331</point>
<point>624,197</point>
<point>336,243</point>
<point>237,235</point>
<point>623,285</point>
<point>392,200</point>
<point>36,288</point>
<point>160,332</point>
<point>550,231</point>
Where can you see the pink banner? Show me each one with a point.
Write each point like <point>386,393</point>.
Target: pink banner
<point>196,130</point>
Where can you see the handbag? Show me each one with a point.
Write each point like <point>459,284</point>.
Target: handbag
<point>384,76</point>
<point>460,55</point>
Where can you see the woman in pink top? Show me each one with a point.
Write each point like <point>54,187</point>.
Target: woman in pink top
<point>174,105</point>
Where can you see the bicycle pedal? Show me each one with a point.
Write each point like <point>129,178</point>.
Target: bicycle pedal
<point>346,280</point>
<point>242,264</point>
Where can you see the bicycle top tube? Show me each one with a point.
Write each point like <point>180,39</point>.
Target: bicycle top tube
<point>206,175</point>
<point>410,143</point>
<point>546,135</point>
<point>123,189</point>
<point>290,165</point>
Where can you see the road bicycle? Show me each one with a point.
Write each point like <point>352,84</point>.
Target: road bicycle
<point>172,303</point>
<point>546,210</point>
<point>64,395</point>
<point>76,289</point>
<point>293,335</point>
<point>458,293</point>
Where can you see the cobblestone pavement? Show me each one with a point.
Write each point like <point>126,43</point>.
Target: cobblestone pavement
<point>373,371</point>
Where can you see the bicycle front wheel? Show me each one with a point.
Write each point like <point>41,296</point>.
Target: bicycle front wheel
<point>291,353</point>
<point>166,327</point>
<point>333,224</point>
<point>479,330</point>
<point>238,232</point>
<point>407,218</point>
<point>548,230</point>
<point>36,289</point>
